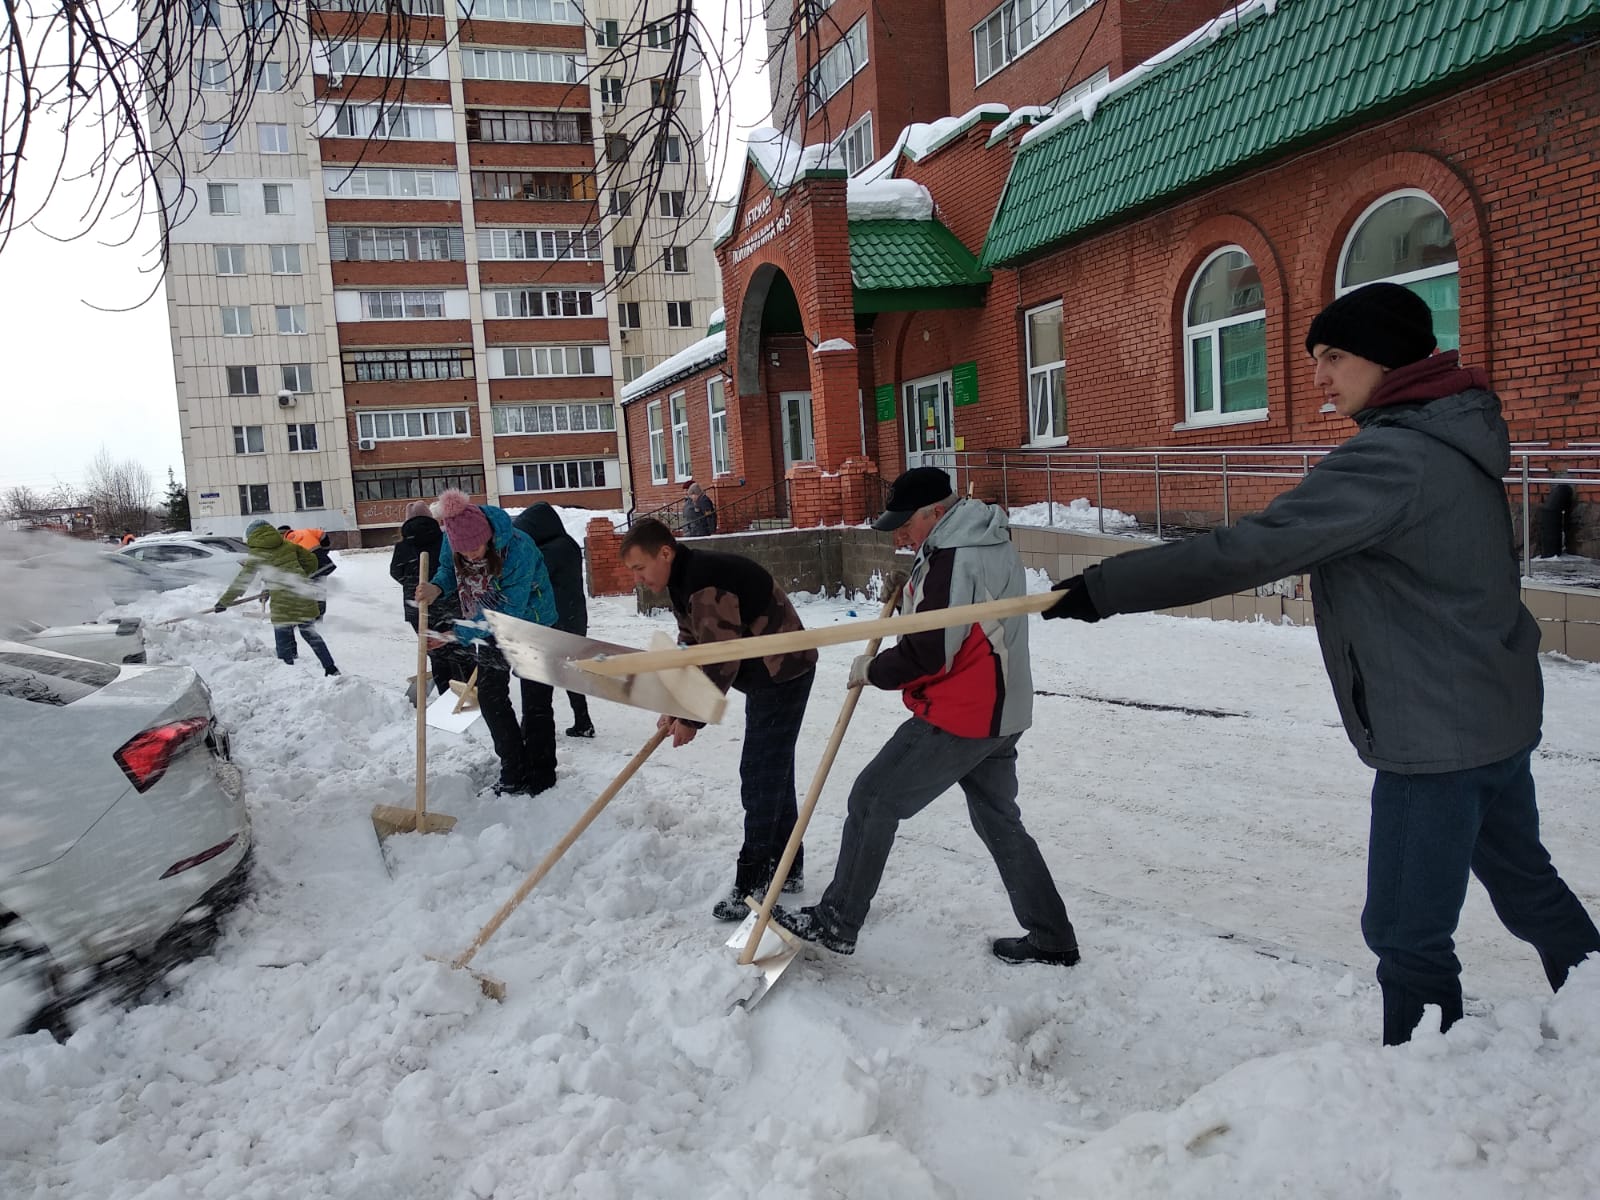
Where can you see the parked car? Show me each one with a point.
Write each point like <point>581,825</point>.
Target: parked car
<point>214,557</point>
<point>126,836</point>
<point>113,642</point>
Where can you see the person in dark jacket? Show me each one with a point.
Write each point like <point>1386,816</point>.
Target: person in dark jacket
<point>563,558</point>
<point>285,568</point>
<point>484,563</point>
<point>970,693</point>
<point>421,533</point>
<point>1434,660</point>
<point>699,513</point>
<point>316,541</point>
<point>716,598</point>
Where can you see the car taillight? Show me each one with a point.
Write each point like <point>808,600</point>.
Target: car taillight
<point>145,757</point>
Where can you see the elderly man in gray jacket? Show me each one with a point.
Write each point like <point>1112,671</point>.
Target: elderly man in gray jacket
<point>971,697</point>
<point>1433,659</point>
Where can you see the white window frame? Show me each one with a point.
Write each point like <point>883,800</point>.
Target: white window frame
<point>216,138</point>
<point>234,253</point>
<point>611,91</point>
<point>246,496</point>
<point>669,149</point>
<point>1405,277</point>
<point>296,378</point>
<point>1212,330</point>
<point>214,75</point>
<point>513,303</point>
<point>405,183</point>
<point>290,319</point>
<point>402,305</point>
<point>633,366</point>
<point>379,424</point>
<point>658,35</point>
<point>717,419</point>
<point>395,123</point>
<point>520,66</point>
<point>386,59</point>
<point>245,444</point>
<point>624,260</point>
<point>856,145</point>
<point>568,468</point>
<point>272,137</point>
<point>269,77</point>
<point>680,314</point>
<point>675,260</point>
<point>236,320</point>
<point>277,199</point>
<point>280,255</point>
<point>548,362</point>
<point>228,196</point>
<point>541,12</point>
<point>658,442</point>
<point>249,380</point>
<point>682,465</point>
<point>629,314</point>
<point>1006,38</point>
<point>1039,375</point>
<point>838,65</point>
<point>510,244</point>
<point>301,503</point>
<point>297,437</point>
<point>670,204</point>
<point>533,420</point>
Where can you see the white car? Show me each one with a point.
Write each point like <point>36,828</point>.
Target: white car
<point>214,557</point>
<point>114,642</point>
<point>125,833</point>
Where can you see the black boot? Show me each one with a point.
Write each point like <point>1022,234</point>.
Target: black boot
<point>815,925</point>
<point>749,879</point>
<point>581,730</point>
<point>1022,950</point>
<point>795,881</point>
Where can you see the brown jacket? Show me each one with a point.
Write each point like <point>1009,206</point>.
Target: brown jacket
<point>720,597</point>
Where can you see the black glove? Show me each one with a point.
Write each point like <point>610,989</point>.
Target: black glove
<point>220,608</point>
<point>1074,602</point>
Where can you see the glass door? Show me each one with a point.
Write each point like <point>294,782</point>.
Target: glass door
<point>795,415</point>
<point>930,423</point>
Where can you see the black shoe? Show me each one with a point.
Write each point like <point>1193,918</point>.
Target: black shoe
<point>539,781</point>
<point>731,907</point>
<point>331,671</point>
<point>796,883</point>
<point>585,730</point>
<point>811,925</point>
<point>1021,950</point>
<point>511,787</point>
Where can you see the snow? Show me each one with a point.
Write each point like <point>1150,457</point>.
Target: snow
<point>1218,1039</point>
<point>1027,114</point>
<point>832,344</point>
<point>718,316</point>
<point>709,349</point>
<point>919,139</point>
<point>888,200</point>
<point>1079,515</point>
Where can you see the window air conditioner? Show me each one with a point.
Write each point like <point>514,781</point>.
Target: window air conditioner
<point>335,82</point>
<point>367,444</point>
<point>286,399</point>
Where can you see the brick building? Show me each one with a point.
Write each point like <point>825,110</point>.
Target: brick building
<point>1122,241</point>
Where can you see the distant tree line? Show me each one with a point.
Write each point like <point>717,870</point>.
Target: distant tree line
<point>116,497</point>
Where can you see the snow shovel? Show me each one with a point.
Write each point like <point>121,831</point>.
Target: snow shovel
<point>623,666</point>
<point>206,612</point>
<point>494,988</point>
<point>389,818</point>
<point>772,956</point>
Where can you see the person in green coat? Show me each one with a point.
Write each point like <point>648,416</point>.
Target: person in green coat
<point>285,569</point>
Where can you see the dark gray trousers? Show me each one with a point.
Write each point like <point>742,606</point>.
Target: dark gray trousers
<point>918,763</point>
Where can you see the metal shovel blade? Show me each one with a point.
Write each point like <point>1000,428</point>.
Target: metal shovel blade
<point>773,955</point>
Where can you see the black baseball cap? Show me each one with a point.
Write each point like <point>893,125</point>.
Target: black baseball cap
<point>915,489</point>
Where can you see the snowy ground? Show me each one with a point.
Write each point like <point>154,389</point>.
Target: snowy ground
<point>1187,780</point>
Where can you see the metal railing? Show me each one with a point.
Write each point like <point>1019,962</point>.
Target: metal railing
<point>736,511</point>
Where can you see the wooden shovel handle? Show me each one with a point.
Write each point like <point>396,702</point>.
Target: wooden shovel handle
<point>812,639</point>
<point>422,699</point>
<point>561,847</point>
<point>786,863</point>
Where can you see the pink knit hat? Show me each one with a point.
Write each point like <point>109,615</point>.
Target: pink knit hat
<point>463,521</point>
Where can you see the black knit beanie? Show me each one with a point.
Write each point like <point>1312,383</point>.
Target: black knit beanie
<point>1382,322</point>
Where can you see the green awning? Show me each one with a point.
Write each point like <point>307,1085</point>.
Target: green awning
<point>1275,82</point>
<point>898,266</point>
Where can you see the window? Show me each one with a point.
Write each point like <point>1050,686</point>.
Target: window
<point>260,15</point>
<point>680,436</point>
<point>671,204</point>
<point>554,418</point>
<point>539,302</point>
<point>856,143</point>
<point>621,203</point>
<point>1047,396</point>
<point>532,185</point>
<point>1014,28</point>
<point>230,259</point>
<point>660,97</point>
<point>216,138</point>
<point>548,245</point>
<point>716,404</point>
<point>277,198</point>
<point>658,36</point>
<point>415,482</point>
<point>243,381</point>
<point>205,12</point>
<point>1079,90</point>
<point>404,243</point>
<point>543,12</point>
<point>675,260</point>
<point>402,306</point>
<point>236,321</point>
<point>405,183</point>
<point>269,77</point>
<point>520,125</point>
<point>223,199</point>
<point>302,438</point>
<point>285,260</point>
<point>608,34</point>
<point>586,474</point>
<point>623,259</point>
<point>400,366</point>
<point>1225,341</point>
<point>307,496</point>
<point>627,314</point>
<point>248,439</point>
<point>1406,238</point>
<point>272,139</point>
<point>841,61</point>
<point>539,362</point>
<point>669,149</point>
<point>297,377</point>
<point>253,498</point>
<point>658,443</point>
<point>680,314</point>
<point>520,66</point>
<point>398,122</point>
<point>291,318</point>
<point>611,92</point>
<point>632,367</point>
<point>412,424</point>
<point>388,59</point>
<point>213,74</point>
<point>617,147</point>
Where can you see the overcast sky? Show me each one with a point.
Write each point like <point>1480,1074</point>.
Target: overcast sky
<point>80,378</point>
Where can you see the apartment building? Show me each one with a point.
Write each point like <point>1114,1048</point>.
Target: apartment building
<point>374,297</point>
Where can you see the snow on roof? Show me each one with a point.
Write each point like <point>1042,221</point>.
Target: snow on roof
<point>782,162</point>
<point>1028,114</point>
<point>720,313</point>
<point>1209,32</point>
<point>709,349</point>
<point>833,344</point>
<point>921,139</point>
<point>888,200</point>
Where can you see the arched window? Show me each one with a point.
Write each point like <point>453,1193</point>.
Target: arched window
<point>1225,341</point>
<point>1405,238</point>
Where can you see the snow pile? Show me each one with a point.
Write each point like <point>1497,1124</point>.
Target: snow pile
<point>1079,515</point>
<point>832,344</point>
<point>889,200</point>
<point>920,139</point>
<point>710,349</point>
<point>1187,781</point>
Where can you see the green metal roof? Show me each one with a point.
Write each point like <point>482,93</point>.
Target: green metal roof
<point>898,263</point>
<point>1271,83</point>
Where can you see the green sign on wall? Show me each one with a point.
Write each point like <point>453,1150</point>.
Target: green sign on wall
<point>964,383</point>
<point>885,400</point>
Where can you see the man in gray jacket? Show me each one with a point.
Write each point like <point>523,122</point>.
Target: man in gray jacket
<point>971,696</point>
<point>1433,659</point>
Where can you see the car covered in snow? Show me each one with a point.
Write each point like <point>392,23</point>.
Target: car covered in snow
<point>210,556</point>
<point>124,829</point>
<point>113,642</point>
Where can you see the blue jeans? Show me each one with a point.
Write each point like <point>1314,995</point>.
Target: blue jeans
<point>283,636</point>
<point>1428,833</point>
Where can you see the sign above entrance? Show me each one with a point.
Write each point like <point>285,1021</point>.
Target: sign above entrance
<point>964,383</point>
<point>760,227</point>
